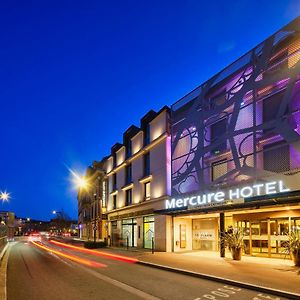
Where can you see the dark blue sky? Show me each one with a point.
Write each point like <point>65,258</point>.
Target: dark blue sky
<point>75,74</point>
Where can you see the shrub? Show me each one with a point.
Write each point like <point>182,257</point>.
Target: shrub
<point>94,245</point>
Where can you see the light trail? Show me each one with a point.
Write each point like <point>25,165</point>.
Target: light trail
<point>71,257</point>
<point>99,253</point>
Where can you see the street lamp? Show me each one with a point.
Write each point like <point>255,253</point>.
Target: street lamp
<point>4,196</point>
<point>79,181</point>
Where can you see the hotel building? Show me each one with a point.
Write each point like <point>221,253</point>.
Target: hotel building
<point>236,151</point>
<point>226,154</point>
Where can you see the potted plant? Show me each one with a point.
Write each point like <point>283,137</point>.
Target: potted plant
<point>293,246</point>
<point>234,240</point>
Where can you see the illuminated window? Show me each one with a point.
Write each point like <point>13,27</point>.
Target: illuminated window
<point>104,191</point>
<point>148,232</point>
<point>147,194</point>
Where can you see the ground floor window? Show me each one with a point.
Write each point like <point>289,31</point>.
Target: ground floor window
<point>129,232</point>
<point>148,231</point>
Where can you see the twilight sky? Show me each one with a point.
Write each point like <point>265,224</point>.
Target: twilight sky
<point>74,75</point>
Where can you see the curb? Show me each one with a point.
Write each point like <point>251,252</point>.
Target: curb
<point>223,280</point>
<point>3,271</point>
<point>3,251</point>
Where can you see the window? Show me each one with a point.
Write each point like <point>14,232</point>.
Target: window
<point>147,190</point>
<point>148,232</point>
<point>128,174</point>
<point>114,201</point>
<point>147,164</point>
<point>128,200</point>
<point>104,191</point>
<point>218,169</point>
<point>114,181</point>
<point>147,135</point>
<point>128,149</point>
<point>217,131</point>
<point>218,99</point>
<point>277,157</point>
<point>114,160</point>
<point>129,232</point>
<point>271,107</point>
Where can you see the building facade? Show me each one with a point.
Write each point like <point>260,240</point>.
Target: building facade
<point>92,203</point>
<point>138,172</point>
<point>226,154</point>
<point>236,151</point>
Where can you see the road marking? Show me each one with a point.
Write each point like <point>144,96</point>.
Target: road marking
<point>120,284</point>
<point>227,291</point>
<point>114,282</point>
<point>3,271</point>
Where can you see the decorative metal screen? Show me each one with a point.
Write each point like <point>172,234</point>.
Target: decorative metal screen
<point>243,124</point>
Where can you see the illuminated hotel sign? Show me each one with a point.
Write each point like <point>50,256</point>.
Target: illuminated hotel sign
<point>268,188</point>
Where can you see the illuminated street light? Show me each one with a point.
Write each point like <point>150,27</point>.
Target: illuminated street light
<point>80,182</point>
<point>4,196</point>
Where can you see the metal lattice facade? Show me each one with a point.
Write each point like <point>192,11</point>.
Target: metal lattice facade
<point>244,123</point>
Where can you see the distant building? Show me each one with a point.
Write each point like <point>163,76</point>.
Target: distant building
<point>7,222</point>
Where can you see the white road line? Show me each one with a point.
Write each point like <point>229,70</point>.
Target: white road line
<point>112,281</point>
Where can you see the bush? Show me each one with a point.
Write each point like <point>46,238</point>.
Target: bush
<point>94,245</point>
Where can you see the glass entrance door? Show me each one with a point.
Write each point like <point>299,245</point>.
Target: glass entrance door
<point>129,232</point>
<point>259,237</point>
<point>279,228</point>
<point>266,237</point>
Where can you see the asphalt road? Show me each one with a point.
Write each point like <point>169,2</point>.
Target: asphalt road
<point>37,274</point>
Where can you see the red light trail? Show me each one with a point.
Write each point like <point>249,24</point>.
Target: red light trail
<point>71,257</point>
<point>99,253</point>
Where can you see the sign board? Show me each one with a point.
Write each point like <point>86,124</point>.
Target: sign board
<point>220,196</point>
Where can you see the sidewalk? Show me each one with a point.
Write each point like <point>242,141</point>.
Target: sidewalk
<point>278,274</point>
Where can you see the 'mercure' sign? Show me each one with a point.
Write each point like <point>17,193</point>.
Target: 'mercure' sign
<point>268,188</point>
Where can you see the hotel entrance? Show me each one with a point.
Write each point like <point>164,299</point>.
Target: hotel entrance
<point>265,230</point>
<point>267,237</point>
<point>205,234</point>
<point>196,232</point>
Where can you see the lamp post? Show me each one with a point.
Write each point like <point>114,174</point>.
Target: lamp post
<point>82,184</point>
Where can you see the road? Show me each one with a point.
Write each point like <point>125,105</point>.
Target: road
<point>36,274</point>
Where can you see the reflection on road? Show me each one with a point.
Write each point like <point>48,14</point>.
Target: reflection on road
<point>71,257</point>
<point>95,252</point>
